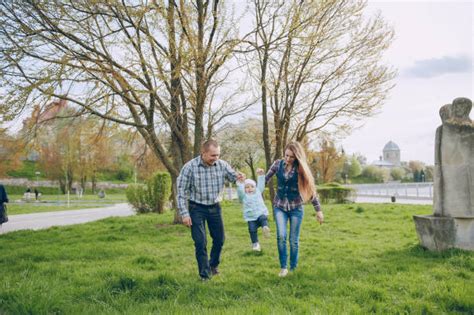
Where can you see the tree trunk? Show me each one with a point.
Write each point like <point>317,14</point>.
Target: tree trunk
<point>174,202</point>
<point>266,134</point>
<point>251,165</point>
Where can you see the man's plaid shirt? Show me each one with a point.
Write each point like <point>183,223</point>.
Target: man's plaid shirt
<point>202,183</point>
<point>284,203</point>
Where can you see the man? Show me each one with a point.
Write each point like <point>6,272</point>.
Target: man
<point>200,182</point>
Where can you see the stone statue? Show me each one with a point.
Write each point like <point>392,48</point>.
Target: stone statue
<point>452,224</point>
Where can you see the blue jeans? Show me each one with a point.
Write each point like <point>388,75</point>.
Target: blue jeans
<point>254,225</point>
<point>295,217</point>
<point>213,215</point>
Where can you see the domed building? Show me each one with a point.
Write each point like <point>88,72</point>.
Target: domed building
<point>391,153</point>
<point>391,156</point>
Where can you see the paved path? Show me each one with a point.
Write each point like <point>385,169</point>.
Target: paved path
<point>43,220</point>
<point>363,199</point>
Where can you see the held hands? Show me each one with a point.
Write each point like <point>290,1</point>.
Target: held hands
<point>240,177</point>
<point>260,171</point>
<point>320,217</point>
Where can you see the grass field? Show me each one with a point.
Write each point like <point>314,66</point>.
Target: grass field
<point>51,203</point>
<point>364,259</point>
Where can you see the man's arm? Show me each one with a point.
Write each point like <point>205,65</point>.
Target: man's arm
<point>229,173</point>
<point>184,187</point>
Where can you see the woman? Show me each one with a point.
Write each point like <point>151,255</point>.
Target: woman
<point>295,186</point>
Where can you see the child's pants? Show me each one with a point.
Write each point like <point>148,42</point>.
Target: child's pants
<point>254,225</point>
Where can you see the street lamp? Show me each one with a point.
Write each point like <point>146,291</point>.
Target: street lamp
<point>37,174</point>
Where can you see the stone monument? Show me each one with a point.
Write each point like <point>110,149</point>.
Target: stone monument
<point>452,223</point>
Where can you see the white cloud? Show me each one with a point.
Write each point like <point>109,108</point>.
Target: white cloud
<point>433,67</point>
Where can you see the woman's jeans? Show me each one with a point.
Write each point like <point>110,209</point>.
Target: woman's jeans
<point>254,225</point>
<point>295,217</point>
<point>200,214</point>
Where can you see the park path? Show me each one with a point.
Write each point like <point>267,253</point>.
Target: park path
<point>412,201</point>
<point>44,220</point>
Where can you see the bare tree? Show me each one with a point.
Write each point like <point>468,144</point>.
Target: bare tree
<point>242,146</point>
<point>148,65</point>
<point>318,65</point>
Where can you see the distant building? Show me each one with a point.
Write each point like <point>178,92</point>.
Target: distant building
<point>391,156</point>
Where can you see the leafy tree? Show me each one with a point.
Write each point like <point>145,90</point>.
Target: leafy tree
<point>326,162</point>
<point>376,174</point>
<point>416,167</point>
<point>397,173</point>
<point>355,168</point>
<point>11,150</point>
<point>429,173</point>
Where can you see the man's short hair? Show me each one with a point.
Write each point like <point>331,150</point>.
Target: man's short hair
<point>209,143</point>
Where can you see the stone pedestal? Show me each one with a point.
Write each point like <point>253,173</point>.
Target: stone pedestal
<point>441,233</point>
<point>452,222</point>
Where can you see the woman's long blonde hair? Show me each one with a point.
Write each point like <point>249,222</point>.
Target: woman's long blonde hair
<point>306,185</point>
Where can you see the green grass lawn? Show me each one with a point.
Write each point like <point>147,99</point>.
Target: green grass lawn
<point>364,259</point>
<point>50,203</point>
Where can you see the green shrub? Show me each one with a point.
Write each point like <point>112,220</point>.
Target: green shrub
<point>152,196</point>
<point>159,188</point>
<point>359,209</point>
<point>136,196</point>
<point>334,192</point>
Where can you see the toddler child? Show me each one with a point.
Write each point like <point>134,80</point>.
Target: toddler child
<point>254,209</point>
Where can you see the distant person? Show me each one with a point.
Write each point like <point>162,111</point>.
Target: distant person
<point>101,194</point>
<point>254,208</point>
<point>295,186</point>
<point>3,207</point>
<point>27,196</point>
<point>200,183</point>
<point>37,194</point>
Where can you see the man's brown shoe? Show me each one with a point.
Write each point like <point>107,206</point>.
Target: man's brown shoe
<point>214,271</point>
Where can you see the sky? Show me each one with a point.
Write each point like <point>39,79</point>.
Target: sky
<point>433,53</point>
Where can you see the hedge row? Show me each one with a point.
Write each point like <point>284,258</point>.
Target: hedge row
<point>334,192</point>
<point>331,192</point>
<point>20,190</point>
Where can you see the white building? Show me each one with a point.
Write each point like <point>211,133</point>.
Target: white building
<point>391,156</point>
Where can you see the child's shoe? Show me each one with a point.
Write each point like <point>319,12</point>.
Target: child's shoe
<point>266,231</point>
<point>256,247</point>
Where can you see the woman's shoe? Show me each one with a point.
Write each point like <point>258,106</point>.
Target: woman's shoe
<point>283,273</point>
